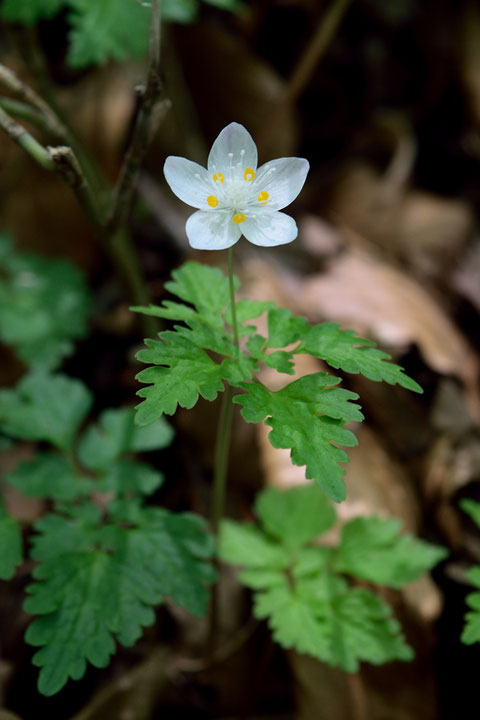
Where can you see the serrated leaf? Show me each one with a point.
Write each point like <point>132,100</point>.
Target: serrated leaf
<point>293,414</point>
<point>45,407</point>
<point>127,476</point>
<point>43,306</point>
<point>472,508</point>
<point>93,585</point>
<point>371,548</point>
<point>245,545</point>
<point>279,359</point>
<point>346,350</point>
<point>284,328</point>
<point>204,287</point>
<point>185,372</point>
<point>116,434</point>
<point>107,30</point>
<point>296,516</point>
<point>471,631</point>
<point>30,11</point>
<point>190,372</point>
<point>49,476</point>
<point>337,624</point>
<point>11,545</point>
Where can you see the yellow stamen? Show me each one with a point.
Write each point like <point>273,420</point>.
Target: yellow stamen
<point>238,218</point>
<point>263,197</point>
<point>212,200</point>
<point>219,177</point>
<point>249,174</point>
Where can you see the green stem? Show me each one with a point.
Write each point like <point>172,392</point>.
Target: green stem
<point>221,459</point>
<point>26,141</point>
<point>222,449</point>
<point>224,431</point>
<point>232,296</point>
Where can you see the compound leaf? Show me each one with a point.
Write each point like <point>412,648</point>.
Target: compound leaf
<point>45,407</point>
<point>284,328</point>
<point>244,544</point>
<point>129,476</point>
<point>43,306</point>
<point>185,371</point>
<point>293,414</point>
<point>280,360</point>
<point>95,584</point>
<point>116,434</point>
<point>49,476</point>
<point>346,350</point>
<point>371,548</point>
<point>337,624</point>
<point>297,516</point>
<point>107,30</point>
<point>11,544</point>
<point>204,287</point>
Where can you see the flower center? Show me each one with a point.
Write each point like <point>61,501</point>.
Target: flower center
<point>212,200</point>
<point>238,218</point>
<point>263,197</point>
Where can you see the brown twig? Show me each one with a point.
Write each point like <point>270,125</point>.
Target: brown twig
<point>150,113</point>
<point>308,61</point>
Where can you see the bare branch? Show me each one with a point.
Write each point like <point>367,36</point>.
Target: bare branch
<point>26,141</point>
<point>151,112</point>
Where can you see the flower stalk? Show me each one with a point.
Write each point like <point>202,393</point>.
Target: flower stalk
<point>224,431</point>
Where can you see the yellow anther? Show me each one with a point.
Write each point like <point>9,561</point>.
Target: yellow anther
<point>249,174</point>
<point>212,200</point>
<point>218,177</point>
<point>238,218</point>
<point>263,197</point>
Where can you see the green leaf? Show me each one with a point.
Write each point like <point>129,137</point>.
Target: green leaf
<point>29,11</point>
<point>43,306</point>
<point>107,30</point>
<point>471,631</point>
<point>279,360</point>
<point>371,548</point>
<point>45,407</point>
<point>293,413</point>
<point>245,545</point>
<point>346,350</point>
<point>472,508</point>
<point>127,476</point>
<point>296,516</point>
<point>284,328</point>
<point>49,476</point>
<point>116,434</point>
<point>204,287</point>
<point>190,372</point>
<point>339,625</point>
<point>185,372</point>
<point>11,544</point>
<point>94,585</point>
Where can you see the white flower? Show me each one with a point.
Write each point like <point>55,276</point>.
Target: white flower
<point>233,197</point>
